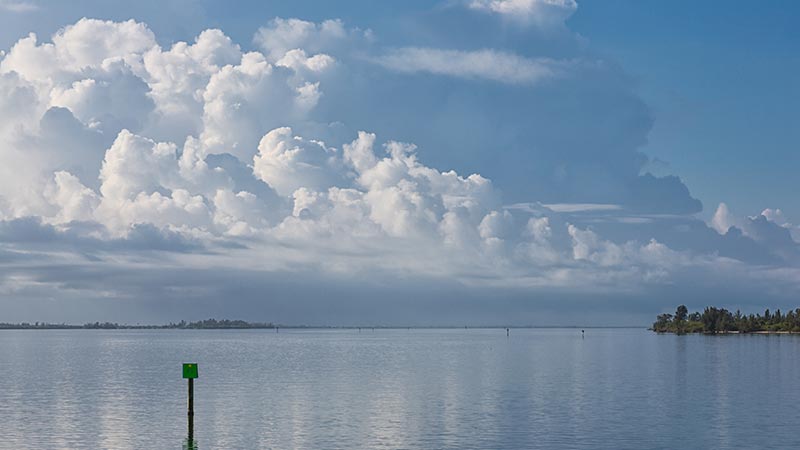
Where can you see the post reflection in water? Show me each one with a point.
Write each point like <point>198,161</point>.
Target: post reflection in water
<point>189,444</point>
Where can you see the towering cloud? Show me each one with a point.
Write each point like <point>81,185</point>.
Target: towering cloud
<point>267,161</point>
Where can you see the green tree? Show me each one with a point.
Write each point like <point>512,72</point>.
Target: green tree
<point>663,323</point>
<point>709,319</point>
<point>681,313</point>
<point>680,319</point>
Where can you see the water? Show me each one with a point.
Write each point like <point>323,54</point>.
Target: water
<point>411,389</point>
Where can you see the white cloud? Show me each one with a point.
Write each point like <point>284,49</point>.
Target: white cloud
<point>89,43</point>
<point>287,163</point>
<point>777,216</point>
<point>135,164</point>
<point>242,102</point>
<point>239,214</point>
<point>539,229</point>
<point>722,220</point>
<point>486,64</point>
<point>541,12</point>
<point>18,6</point>
<point>177,79</point>
<point>581,207</point>
<point>19,106</point>
<point>298,61</point>
<point>74,200</point>
<point>753,226</point>
<point>281,36</point>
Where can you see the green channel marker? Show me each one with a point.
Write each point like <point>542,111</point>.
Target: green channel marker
<point>190,373</point>
<point>190,370</point>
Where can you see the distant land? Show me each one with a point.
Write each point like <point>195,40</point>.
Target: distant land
<point>715,320</point>
<point>226,324</point>
<point>209,324</point>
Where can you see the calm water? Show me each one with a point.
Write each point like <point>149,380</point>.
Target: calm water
<point>417,389</point>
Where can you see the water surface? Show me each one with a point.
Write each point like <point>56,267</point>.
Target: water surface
<point>411,389</point>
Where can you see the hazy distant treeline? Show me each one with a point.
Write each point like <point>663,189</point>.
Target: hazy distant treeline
<point>720,320</point>
<point>207,324</point>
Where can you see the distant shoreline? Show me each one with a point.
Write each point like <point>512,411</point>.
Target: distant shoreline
<point>209,324</point>
<point>270,326</point>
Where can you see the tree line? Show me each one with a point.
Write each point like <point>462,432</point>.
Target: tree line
<point>719,320</point>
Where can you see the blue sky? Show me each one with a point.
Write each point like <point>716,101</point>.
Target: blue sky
<point>721,79</point>
<point>478,161</point>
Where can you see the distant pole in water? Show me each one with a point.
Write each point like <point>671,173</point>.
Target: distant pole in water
<point>190,373</point>
<point>277,329</point>
<point>508,332</point>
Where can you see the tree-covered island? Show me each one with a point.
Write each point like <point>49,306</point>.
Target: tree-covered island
<point>719,320</point>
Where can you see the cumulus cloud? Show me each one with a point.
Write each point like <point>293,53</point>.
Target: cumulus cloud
<point>178,77</point>
<point>287,163</point>
<point>281,36</point>
<point>242,101</point>
<point>776,216</point>
<point>769,231</point>
<point>112,142</point>
<point>87,44</point>
<point>75,202</point>
<point>754,226</point>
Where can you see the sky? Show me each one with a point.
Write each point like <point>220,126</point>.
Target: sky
<point>453,162</point>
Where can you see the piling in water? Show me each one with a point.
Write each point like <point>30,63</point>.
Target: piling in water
<point>190,373</point>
